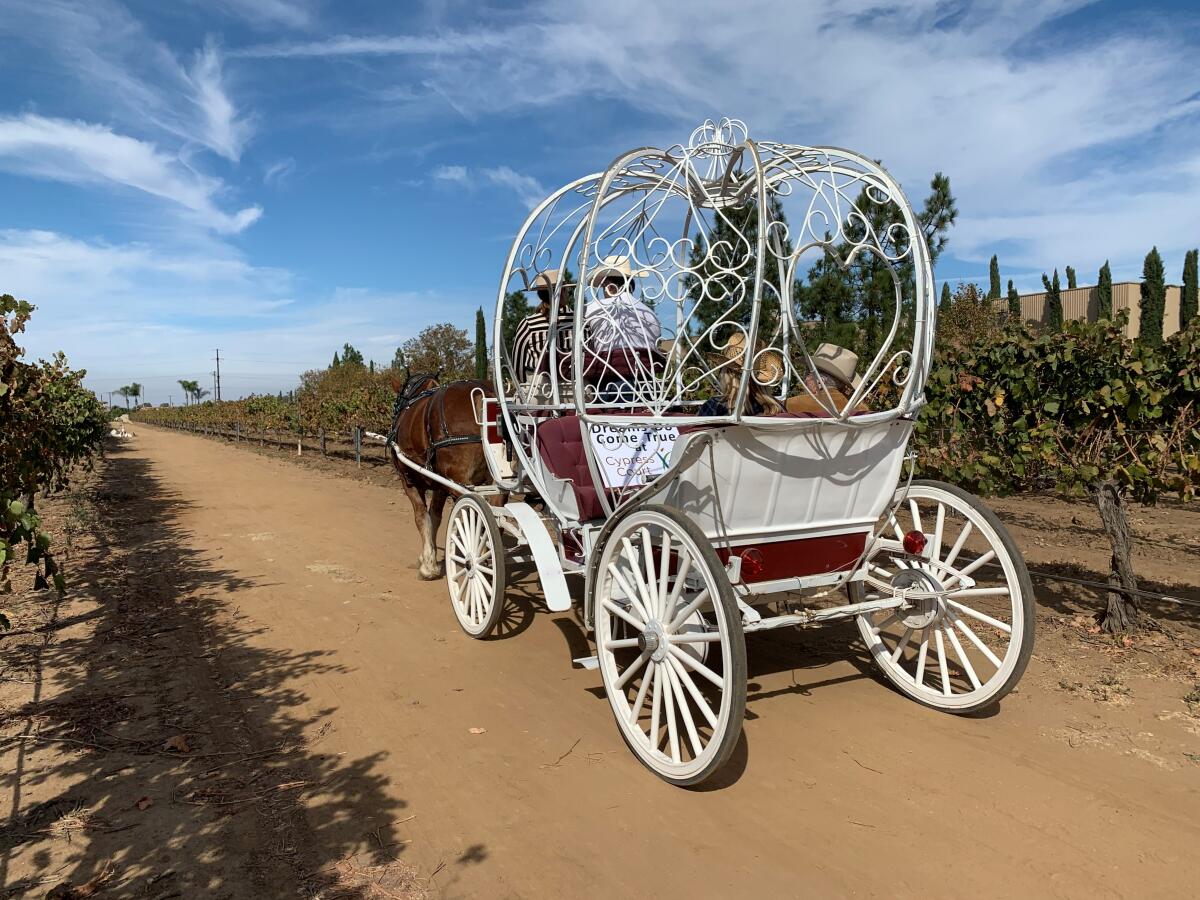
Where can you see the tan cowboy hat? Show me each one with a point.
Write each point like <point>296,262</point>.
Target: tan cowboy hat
<point>838,362</point>
<point>615,267</point>
<point>545,280</point>
<point>768,363</point>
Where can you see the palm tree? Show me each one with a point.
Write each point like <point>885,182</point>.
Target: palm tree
<point>135,391</point>
<point>199,393</point>
<point>125,391</point>
<point>187,390</point>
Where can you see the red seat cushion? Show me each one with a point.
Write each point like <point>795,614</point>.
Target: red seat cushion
<point>560,443</point>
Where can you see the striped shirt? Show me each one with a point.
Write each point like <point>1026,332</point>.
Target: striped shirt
<point>530,355</point>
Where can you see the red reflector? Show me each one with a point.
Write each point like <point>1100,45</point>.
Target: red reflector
<point>753,564</point>
<point>914,542</point>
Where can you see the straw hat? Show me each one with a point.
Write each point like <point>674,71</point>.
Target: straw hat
<point>768,362</point>
<point>616,267</point>
<point>545,280</point>
<point>838,362</point>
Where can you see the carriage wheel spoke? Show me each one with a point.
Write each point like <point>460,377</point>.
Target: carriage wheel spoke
<point>687,611</point>
<point>916,515</point>
<point>622,614</point>
<point>639,701</point>
<point>681,704</point>
<point>974,639</point>
<point>651,596</point>
<point>891,619</point>
<point>672,601</point>
<point>695,637</point>
<point>941,653</point>
<point>672,725</point>
<point>643,591</point>
<point>630,594</point>
<point>620,644</point>
<point>921,654</point>
<point>976,614</point>
<point>634,668</point>
<point>976,563</point>
<point>962,656</point>
<point>958,544</point>
<point>903,642</point>
<point>938,529</point>
<point>655,713</point>
<point>664,572</point>
<point>696,666</point>
<point>682,674</point>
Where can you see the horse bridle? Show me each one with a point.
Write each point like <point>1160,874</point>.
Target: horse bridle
<point>408,395</point>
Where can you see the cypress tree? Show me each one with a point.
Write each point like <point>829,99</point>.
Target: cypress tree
<point>994,272</point>
<point>1014,303</point>
<point>336,362</point>
<point>481,356</point>
<point>1188,302</point>
<point>1104,293</point>
<point>1154,299</point>
<point>1071,284</point>
<point>946,301</point>
<point>1054,311</point>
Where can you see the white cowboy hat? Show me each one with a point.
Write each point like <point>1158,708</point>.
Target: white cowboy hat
<point>838,362</point>
<point>544,281</point>
<point>615,267</point>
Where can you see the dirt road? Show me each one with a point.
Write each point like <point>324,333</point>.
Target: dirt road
<point>841,787</point>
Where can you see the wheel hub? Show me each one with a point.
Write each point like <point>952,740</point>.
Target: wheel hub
<point>653,641</point>
<point>921,612</point>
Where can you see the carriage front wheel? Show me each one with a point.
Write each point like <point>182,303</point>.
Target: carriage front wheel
<point>475,572</point>
<point>965,635</point>
<point>670,644</point>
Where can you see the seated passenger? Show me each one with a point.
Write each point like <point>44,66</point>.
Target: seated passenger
<point>530,351</point>
<point>768,374</point>
<point>621,331</point>
<point>836,373</point>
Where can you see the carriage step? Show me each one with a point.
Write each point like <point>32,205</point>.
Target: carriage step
<point>587,662</point>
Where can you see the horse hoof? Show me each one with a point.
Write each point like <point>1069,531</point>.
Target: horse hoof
<point>429,576</point>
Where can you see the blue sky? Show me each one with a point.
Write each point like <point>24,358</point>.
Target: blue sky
<point>276,177</point>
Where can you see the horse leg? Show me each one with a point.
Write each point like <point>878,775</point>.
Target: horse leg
<point>426,569</point>
<point>435,506</point>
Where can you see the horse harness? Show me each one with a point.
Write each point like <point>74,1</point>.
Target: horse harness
<point>405,399</point>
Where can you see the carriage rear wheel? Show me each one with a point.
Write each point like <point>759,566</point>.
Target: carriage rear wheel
<point>670,644</point>
<point>475,570</point>
<point>966,634</point>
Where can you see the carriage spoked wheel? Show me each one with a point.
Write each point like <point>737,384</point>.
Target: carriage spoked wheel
<point>475,572</point>
<point>670,644</point>
<point>965,634</point>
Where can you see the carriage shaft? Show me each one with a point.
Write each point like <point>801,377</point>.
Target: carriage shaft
<point>817,616</point>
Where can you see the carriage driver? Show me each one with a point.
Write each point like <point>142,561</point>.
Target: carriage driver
<point>531,356</point>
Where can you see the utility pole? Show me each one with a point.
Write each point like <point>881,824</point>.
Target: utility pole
<point>214,382</point>
<point>218,382</point>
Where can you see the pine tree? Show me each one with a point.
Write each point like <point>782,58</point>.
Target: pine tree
<point>1014,303</point>
<point>399,363</point>
<point>946,301</point>
<point>1154,299</point>
<point>481,354</point>
<point>516,308</point>
<point>1054,310</point>
<point>1188,301</point>
<point>351,357</point>
<point>1104,293</point>
<point>994,272</point>
<point>1071,283</point>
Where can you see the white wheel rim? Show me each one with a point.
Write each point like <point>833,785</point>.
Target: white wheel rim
<point>470,567</point>
<point>957,649</point>
<point>669,682</point>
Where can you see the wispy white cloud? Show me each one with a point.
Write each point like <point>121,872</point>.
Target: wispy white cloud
<point>131,77</point>
<point>975,90</point>
<point>279,171</point>
<point>527,188</point>
<point>266,13</point>
<point>224,130</point>
<point>453,174</point>
<point>81,153</point>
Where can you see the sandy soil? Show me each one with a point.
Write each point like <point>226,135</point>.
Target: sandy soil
<point>270,615</point>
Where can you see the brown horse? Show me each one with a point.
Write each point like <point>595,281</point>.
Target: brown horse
<point>435,426</point>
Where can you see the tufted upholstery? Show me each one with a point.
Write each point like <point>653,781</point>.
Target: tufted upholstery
<point>560,443</point>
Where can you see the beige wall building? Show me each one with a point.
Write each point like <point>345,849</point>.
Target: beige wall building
<point>1081,304</point>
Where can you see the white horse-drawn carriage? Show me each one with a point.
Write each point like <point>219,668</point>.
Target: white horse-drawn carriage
<point>668,430</point>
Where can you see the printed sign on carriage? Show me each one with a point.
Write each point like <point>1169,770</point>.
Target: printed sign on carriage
<point>628,457</point>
